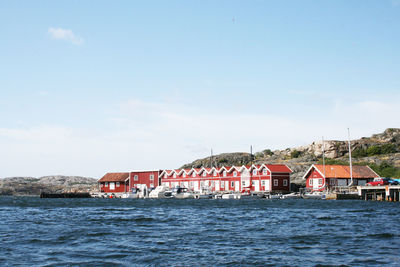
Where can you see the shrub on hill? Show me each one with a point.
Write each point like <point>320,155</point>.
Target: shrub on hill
<point>374,150</point>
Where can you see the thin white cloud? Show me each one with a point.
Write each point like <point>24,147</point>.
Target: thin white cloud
<point>66,35</point>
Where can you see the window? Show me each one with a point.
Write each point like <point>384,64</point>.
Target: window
<point>212,183</point>
<point>222,184</point>
<point>285,182</point>
<point>204,173</point>
<point>243,183</point>
<point>310,181</point>
<point>182,184</point>
<point>165,176</point>
<point>263,182</point>
<point>117,184</point>
<point>224,173</point>
<point>194,174</point>
<point>215,173</point>
<point>332,181</point>
<point>184,174</point>
<point>174,175</point>
<point>232,184</point>
<point>106,184</point>
<point>151,177</point>
<point>254,172</point>
<point>191,184</point>
<point>151,185</point>
<point>275,182</point>
<point>320,181</point>
<point>265,171</point>
<point>235,173</point>
<point>253,183</point>
<point>136,178</point>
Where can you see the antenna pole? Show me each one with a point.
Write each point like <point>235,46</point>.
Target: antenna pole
<point>351,166</point>
<point>323,155</point>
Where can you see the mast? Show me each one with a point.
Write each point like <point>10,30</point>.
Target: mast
<point>323,156</point>
<point>351,166</point>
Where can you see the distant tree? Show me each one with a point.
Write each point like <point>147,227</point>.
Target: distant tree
<point>295,154</point>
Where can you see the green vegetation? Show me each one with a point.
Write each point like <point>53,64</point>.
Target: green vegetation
<point>329,161</point>
<point>374,150</point>
<point>268,152</point>
<point>295,154</point>
<point>385,169</point>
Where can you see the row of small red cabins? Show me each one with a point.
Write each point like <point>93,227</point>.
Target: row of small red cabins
<point>255,178</point>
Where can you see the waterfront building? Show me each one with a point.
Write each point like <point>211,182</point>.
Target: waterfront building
<point>123,182</point>
<point>117,182</point>
<point>319,177</point>
<point>255,178</point>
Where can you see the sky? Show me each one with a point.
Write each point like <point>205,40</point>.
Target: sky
<point>89,87</point>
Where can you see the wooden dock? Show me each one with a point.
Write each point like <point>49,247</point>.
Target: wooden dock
<point>380,193</point>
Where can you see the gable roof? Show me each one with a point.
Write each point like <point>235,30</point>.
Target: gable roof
<point>343,171</point>
<point>115,177</point>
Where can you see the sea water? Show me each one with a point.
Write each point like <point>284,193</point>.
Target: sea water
<point>183,232</point>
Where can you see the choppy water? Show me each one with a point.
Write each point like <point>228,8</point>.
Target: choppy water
<point>89,232</point>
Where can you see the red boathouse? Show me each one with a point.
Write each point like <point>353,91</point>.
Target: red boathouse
<point>255,178</point>
<point>319,178</point>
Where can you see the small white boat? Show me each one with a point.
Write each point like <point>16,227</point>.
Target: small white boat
<point>291,195</point>
<point>161,192</point>
<point>230,196</point>
<point>181,192</point>
<point>314,195</point>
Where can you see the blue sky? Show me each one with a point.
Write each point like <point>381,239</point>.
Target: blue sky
<point>88,87</point>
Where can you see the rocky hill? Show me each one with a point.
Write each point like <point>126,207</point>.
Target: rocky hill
<point>380,151</point>
<point>51,184</point>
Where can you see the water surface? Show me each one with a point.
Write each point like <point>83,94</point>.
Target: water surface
<point>165,232</point>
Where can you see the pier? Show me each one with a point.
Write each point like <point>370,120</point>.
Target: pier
<point>380,193</point>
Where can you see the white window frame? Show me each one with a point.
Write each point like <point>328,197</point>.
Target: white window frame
<point>204,173</point>
<point>319,181</point>
<point>276,182</point>
<point>194,174</point>
<point>222,184</point>
<point>285,182</point>
<point>254,172</point>
<point>224,173</point>
<point>106,184</point>
<point>235,173</point>
<point>151,177</point>
<point>262,182</point>
<point>215,173</point>
<point>232,184</point>
<point>184,175</point>
<point>174,175</point>
<point>182,184</point>
<point>136,177</point>
<point>265,172</point>
<point>310,181</point>
<point>243,183</point>
<point>117,184</point>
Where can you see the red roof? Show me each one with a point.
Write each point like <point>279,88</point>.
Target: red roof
<point>278,168</point>
<point>115,177</point>
<point>342,171</point>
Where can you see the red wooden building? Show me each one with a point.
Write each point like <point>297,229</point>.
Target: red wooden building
<point>319,178</point>
<point>123,182</point>
<point>256,178</point>
<point>117,182</point>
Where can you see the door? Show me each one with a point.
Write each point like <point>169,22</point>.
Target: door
<point>186,184</point>
<point>196,186</point>
<point>112,186</point>
<point>315,183</point>
<point>237,186</point>
<point>216,185</point>
<point>226,185</point>
<point>267,185</point>
<point>256,185</point>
